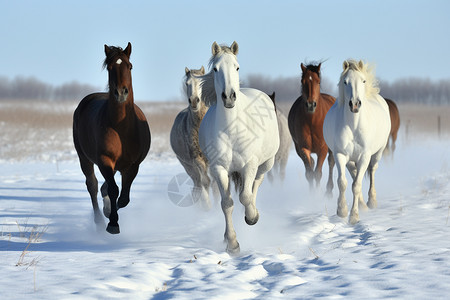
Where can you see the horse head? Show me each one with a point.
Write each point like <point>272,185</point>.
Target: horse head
<point>353,84</point>
<point>226,72</point>
<point>193,90</point>
<point>311,86</point>
<point>118,64</point>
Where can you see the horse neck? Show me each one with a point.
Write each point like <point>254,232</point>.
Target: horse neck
<point>353,119</point>
<point>119,113</point>
<point>227,115</point>
<point>197,116</point>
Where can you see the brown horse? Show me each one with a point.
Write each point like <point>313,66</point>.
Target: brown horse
<point>395,125</point>
<point>306,125</point>
<point>109,130</point>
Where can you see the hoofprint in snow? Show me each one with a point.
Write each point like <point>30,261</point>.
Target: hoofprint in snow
<point>50,249</point>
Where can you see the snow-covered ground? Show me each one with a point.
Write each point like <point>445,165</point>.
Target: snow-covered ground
<point>299,249</point>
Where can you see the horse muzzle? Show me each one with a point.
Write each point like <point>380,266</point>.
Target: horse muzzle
<point>229,101</point>
<point>311,106</point>
<point>354,106</point>
<point>121,94</point>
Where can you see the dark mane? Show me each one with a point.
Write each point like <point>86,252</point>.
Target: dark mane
<point>313,67</point>
<point>114,52</point>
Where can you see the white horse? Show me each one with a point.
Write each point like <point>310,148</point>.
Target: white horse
<point>239,136</point>
<point>356,129</point>
<point>184,137</point>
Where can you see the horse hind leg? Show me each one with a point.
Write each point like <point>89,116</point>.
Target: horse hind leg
<point>373,166</point>
<point>331,164</point>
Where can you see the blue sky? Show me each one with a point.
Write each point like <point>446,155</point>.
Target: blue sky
<point>61,41</point>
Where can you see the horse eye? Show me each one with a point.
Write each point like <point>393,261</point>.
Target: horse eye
<point>364,81</point>
<point>237,69</point>
<point>215,69</point>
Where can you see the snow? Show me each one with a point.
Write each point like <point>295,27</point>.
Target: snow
<point>299,249</point>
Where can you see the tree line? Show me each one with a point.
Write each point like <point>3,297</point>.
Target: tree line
<point>31,88</point>
<point>408,90</point>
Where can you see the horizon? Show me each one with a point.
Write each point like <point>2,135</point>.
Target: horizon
<point>63,42</point>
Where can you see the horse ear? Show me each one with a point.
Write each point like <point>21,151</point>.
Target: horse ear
<point>361,64</point>
<point>127,50</point>
<point>202,70</point>
<point>186,69</point>
<point>303,67</point>
<point>215,48</point>
<point>345,65</point>
<point>318,67</point>
<point>107,50</point>
<point>234,48</point>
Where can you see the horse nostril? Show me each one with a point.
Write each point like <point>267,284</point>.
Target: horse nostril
<point>350,103</point>
<point>125,91</point>
<point>315,104</point>
<point>116,93</point>
<point>189,99</point>
<point>233,96</point>
<point>224,96</point>
<point>359,103</point>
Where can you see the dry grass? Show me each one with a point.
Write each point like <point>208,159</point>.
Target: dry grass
<point>43,130</point>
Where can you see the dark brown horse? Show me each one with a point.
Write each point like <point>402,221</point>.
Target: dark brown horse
<point>109,130</point>
<point>306,125</point>
<point>395,125</point>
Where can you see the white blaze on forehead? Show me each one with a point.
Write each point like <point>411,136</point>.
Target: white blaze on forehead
<point>310,78</point>
<point>119,61</point>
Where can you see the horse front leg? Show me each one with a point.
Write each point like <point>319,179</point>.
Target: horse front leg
<point>127,179</point>
<point>357,188</point>
<point>87,168</point>
<point>320,160</point>
<point>247,196</point>
<point>353,170</point>
<point>341,161</point>
<point>223,182</point>
<point>106,167</point>
<point>308,161</point>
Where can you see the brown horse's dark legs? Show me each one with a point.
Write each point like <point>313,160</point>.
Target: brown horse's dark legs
<point>113,193</point>
<point>92,186</point>
<point>127,179</point>
<point>308,161</point>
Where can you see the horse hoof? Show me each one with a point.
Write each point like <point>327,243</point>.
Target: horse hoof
<point>254,221</point>
<point>234,251</point>
<point>113,229</point>
<point>123,202</point>
<point>353,219</point>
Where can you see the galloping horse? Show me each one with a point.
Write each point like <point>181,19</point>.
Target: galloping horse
<point>395,125</point>
<point>282,156</point>
<point>356,129</point>
<point>238,135</point>
<point>184,137</point>
<point>306,125</point>
<point>109,130</point>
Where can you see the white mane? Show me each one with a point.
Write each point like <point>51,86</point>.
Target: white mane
<point>372,88</point>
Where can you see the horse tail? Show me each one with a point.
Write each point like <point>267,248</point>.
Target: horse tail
<point>237,179</point>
